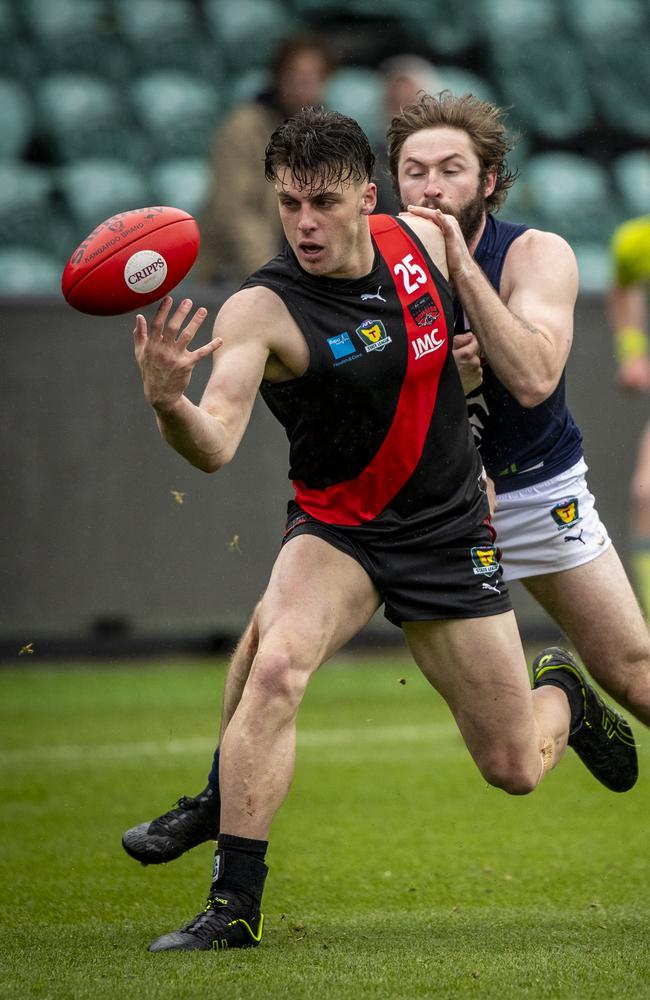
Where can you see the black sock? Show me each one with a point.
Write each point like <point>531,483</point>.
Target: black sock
<point>213,777</point>
<point>244,845</point>
<point>238,874</point>
<point>573,690</point>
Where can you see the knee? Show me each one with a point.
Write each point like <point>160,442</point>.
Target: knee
<point>278,676</point>
<point>511,774</point>
<point>631,686</point>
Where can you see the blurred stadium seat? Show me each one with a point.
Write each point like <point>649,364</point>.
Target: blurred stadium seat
<point>614,41</point>
<point>16,119</point>
<point>389,9</point>
<point>26,205</point>
<point>445,27</point>
<point>538,70</point>
<point>248,31</point>
<point>358,92</point>
<point>594,21</point>
<point>245,86</point>
<point>309,8</point>
<point>75,36</point>
<point>19,58</point>
<point>82,115</point>
<point>462,81</point>
<point>514,20</point>
<point>594,266</point>
<point>178,111</point>
<point>631,172</point>
<point>94,189</point>
<point>27,271</point>
<point>183,183</point>
<point>167,34</point>
<point>571,195</point>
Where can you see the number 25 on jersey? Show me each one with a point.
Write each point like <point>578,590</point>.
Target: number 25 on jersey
<point>411,274</point>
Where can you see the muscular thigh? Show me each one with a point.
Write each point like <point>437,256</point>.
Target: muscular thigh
<point>595,606</point>
<point>317,599</point>
<point>478,666</point>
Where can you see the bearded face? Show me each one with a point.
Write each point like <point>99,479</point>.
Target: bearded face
<point>470,215</point>
<point>438,168</point>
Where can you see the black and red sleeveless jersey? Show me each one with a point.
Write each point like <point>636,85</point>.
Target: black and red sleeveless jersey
<point>377,425</point>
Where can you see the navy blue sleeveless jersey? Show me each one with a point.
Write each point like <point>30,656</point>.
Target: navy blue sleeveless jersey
<point>519,446</point>
<point>377,425</point>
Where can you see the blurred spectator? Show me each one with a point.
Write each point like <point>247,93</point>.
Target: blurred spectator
<point>629,318</point>
<point>404,77</point>
<point>240,228</point>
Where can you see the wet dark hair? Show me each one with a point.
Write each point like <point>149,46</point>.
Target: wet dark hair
<point>320,148</point>
<point>483,123</point>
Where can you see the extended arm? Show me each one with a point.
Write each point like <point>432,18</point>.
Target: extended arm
<point>627,311</point>
<point>526,333</point>
<point>207,434</point>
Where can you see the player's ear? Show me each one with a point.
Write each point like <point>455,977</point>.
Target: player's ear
<point>369,199</point>
<point>490,182</point>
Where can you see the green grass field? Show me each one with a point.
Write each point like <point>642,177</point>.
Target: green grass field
<point>395,872</point>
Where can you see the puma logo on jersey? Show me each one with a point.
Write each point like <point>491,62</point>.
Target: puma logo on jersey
<point>426,344</point>
<point>366,296</point>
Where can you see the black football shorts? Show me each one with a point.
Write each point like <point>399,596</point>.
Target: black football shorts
<point>419,577</point>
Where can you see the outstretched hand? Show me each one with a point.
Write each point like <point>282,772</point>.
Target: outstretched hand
<point>162,352</point>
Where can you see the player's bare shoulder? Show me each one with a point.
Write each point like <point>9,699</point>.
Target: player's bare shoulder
<point>538,255</point>
<point>258,314</point>
<point>431,237</point>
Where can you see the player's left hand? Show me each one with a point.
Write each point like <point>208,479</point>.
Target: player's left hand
<point>467,355</point>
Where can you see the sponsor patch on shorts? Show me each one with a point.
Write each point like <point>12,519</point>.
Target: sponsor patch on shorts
<point>566,513</point>
<point>485,560</point>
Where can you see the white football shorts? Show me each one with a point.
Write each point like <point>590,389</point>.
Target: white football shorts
<point>549,527</point>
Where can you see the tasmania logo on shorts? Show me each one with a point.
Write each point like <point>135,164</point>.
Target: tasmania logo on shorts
<point>424,310</point>
<point>372,334</point>
<point>485,560</point>
<point>566,513</point>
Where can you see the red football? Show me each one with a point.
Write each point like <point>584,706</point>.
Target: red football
<point>130,260</point>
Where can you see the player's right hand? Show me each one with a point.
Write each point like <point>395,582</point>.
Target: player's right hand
<point>467,355</point>
<point>162,352</point>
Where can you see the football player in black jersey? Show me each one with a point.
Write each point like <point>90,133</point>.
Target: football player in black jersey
<point>395,514</point>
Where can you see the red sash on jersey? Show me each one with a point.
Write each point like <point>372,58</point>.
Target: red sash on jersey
<point>362,499</point>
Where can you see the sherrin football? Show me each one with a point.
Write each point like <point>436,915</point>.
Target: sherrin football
<point>130,260</point>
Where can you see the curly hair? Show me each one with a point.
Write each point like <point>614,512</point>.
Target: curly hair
<point>483,123</point>
<point>319,148</point>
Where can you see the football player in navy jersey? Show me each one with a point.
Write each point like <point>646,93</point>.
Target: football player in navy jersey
<point>516,289</point>
<point>396,515</point>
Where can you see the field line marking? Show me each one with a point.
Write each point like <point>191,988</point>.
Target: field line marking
<point>307,739</point>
